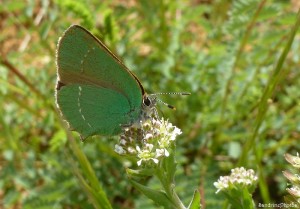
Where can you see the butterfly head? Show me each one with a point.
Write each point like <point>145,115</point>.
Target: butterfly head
<point>148,105</point>
<point>150,101</point>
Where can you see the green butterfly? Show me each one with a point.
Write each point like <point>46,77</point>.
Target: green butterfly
<point>95,91</point>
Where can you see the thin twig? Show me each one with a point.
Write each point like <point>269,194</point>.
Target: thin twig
<point>15,71</point>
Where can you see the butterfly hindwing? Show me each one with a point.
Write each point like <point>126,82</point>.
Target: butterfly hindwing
<point>92,110</point>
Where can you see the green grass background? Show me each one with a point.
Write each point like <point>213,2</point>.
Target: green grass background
<point>232,55</point>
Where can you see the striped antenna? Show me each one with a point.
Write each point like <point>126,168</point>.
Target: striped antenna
<point>168,93</point>
<point>164,93</point>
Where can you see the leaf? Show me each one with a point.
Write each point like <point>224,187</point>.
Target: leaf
<point>140,173</point>
<point>158,197</point>
<point>195,203</point>
<point>170,164</point>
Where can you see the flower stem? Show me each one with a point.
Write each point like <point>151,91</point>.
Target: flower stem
<point>169,188</point>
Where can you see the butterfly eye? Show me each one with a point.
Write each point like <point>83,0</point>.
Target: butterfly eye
<point>147,101</point>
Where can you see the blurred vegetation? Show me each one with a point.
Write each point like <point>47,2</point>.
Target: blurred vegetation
<point>224,52</point>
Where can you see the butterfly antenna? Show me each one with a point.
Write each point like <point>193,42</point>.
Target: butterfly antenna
<point>168,93</point>
<point>176,93</point>
<point>168,105</point>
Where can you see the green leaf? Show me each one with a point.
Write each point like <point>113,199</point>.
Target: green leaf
<point>140,173</point>
<point>195,203</point>
<point>158,197</point>
<point>170,164</point>
<point>58,140</point>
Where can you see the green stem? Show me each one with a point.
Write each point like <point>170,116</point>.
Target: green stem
<point>22,77</point>
<point>256,71</point>
<point>90,183</point>
<point>96,189</point>
<point>247,201</point>
<point>268,92</point>
<point>262,109</point>
<point>237,59</point>
<point>170,190</point>
<point>169,187</point>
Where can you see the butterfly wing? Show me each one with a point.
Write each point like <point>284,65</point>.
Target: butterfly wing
<point>93,110</point>
<point>82,60</point>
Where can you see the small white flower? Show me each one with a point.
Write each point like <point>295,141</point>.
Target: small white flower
<point>119,149</point>
<point>148,136</point>
<point>138,148</point>
<point>159,152</point>
<point>123,142</point>
<point>167,153</point>
<point>157,123</point>
<point>175,133</point>
<point>131,150</point>
<point>162,153</point>
<point>295,191</point>
<point>139,163</point>
<point>155,160</point>
<point>149,147</point>
<point>146,154</point>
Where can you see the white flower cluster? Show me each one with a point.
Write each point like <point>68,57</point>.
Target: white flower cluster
<point>295,191</point>
<point>294,179</point>
<point>240,177</point>
<point>293,160</point>
<point>150,142</point>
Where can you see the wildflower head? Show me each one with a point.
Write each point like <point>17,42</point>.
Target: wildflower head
<point>149,143</point>
<point>239,179</point>
<point>293,160</point>
<point>294,178</point>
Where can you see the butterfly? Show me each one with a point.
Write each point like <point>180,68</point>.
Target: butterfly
<point>95,92</point>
